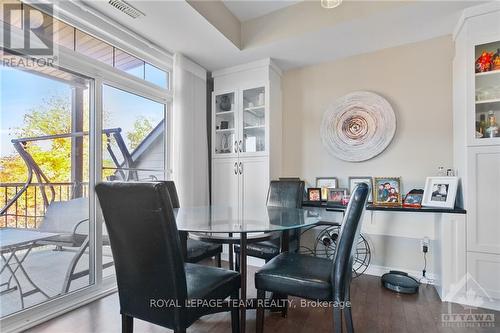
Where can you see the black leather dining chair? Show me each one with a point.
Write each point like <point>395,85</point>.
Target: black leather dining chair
<point>281,193</point>
<point>196,250</point>
<point>154,283</point>
<point>318,278</point>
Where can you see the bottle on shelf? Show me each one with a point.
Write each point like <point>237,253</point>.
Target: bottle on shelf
<point>482,124</point>
<point>492,128</point>
<point>496,61</point>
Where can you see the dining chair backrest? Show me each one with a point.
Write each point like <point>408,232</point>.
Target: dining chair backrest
<point>146,249</point>
<point>285,193</point>
<point>288,194</point>
<point>172,191</point>
<point>347,240</point>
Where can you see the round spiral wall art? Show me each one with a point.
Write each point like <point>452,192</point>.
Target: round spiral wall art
<point>358,126</point>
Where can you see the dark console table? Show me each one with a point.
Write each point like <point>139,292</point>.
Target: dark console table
<point>341,208</point>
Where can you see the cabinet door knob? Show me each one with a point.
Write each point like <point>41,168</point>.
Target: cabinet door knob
<point>235,146</point>
<point>235,168</point>
<point>241,168</point>
<point>241,144</point>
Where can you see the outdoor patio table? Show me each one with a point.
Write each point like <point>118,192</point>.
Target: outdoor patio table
<point>219,224</point>
<point>13,240</point>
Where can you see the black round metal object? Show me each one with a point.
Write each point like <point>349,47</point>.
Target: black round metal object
<point>326,243</point>
<point>400,282</point>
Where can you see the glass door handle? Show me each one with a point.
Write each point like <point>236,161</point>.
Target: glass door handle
<point>235,147</point>
<point>240,144</point>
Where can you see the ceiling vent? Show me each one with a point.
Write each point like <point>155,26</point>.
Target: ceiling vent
<point>126,8</point>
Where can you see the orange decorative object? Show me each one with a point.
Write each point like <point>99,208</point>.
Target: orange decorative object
<point>496,61</point>
<point>483,63</point>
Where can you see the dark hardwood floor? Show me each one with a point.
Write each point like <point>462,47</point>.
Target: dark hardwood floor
<point>374,310</point>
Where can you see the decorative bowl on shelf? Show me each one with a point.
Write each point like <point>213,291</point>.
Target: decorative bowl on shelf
<point>225,103</point>
<point>484,62</point>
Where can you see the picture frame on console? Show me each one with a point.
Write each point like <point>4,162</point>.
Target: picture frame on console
<point>387,191</point>
<point>336,195</point>
<point>414,198</point>
<point>314,194</point>
<point>326,183</point>
<point>440,192</point>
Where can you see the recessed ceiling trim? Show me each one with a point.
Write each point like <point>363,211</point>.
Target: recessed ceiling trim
<point>96,23</point>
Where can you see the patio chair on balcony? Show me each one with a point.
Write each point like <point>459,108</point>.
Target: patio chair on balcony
<point>66,218</point>
<point>69,219</point>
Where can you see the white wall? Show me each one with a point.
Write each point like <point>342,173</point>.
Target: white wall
<point>417,80</point>
<point>154,159</point>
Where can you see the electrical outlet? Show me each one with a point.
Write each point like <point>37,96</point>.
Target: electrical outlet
<point>424,244</point>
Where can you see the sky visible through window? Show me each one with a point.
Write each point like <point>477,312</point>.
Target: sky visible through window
<point>22,92</point>
<point>132,113</point>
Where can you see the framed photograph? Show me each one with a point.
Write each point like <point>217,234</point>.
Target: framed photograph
<point>387,191</point>
<point>336,195</point>
<point>314,194</point>
<point>354,181</point>
<point>414,198</point>
<point>440,192</point>
<point>325,183</point>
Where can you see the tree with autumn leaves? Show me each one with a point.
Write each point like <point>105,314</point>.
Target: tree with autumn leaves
<point>53,156</point>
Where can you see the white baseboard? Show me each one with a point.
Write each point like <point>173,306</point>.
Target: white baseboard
<point>485,303</point>
<point>376,270</point>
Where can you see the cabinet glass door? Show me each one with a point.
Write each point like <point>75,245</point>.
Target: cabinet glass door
<point>225,124</point>
<point>487,82</point>
<point>254,120</point>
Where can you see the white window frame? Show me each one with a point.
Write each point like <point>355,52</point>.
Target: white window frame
<point>99,74</point>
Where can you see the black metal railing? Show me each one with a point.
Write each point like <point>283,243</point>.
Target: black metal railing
<point>29,208</point>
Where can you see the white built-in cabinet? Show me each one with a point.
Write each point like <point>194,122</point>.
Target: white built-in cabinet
<point>483,232</point>
<point>476,98</point>
<point>246,135</point>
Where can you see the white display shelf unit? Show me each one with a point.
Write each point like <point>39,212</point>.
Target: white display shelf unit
<point>488,74</point>
<point>245,159</point>
<point>255,108</point>
<point>488,101</point>
<point>486,88</point>
<point>224,130</point>
<point>477,160</point>
<point>222,113</point>
<point>262,127</point>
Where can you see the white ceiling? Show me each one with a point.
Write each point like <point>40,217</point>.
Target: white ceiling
<point>177,27</point>
<point>246,10</point>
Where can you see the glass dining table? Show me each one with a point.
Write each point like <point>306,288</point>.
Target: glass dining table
<point>226,225</point>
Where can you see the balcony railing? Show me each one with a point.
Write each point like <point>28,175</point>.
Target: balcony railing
<point>29,209</point>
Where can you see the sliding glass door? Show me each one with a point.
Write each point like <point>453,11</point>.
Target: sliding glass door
<point>92,113</point>
<point>133,144</point>
<point>134,129</point>
<point>45,220</point>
